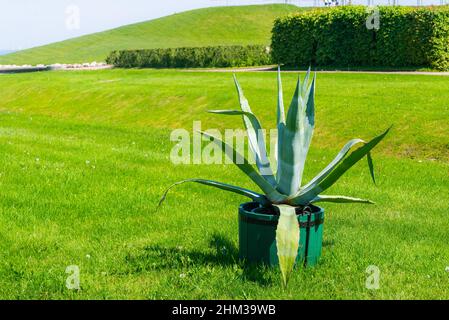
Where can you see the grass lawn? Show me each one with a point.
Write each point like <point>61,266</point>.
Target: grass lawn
<point>214,26</point>
<point>84,158</point>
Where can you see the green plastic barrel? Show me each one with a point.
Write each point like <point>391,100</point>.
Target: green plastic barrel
<point>257,235</point>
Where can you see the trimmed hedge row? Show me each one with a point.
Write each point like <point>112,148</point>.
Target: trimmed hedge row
<point>201,57</point>
<point>407,37</point>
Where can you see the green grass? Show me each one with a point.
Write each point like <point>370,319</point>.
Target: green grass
<point>84,158</point>
<point>204,27</point>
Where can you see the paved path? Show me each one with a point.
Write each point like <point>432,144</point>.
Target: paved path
<point>23,69</point>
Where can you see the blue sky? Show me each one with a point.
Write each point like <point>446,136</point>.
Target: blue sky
<point>29,23</point>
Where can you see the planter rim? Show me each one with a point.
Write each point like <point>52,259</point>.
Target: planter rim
<point>245,211</point>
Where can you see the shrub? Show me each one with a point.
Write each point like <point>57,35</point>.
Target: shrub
<point>201,57</point>
<point>407,37</point>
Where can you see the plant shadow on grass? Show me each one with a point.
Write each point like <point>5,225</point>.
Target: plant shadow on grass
<point>223,253</point>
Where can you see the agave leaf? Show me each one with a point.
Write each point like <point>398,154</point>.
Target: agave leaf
<point>279,156</point>
<point>288,170</point>
<point>340,199</point>
<point>323,174</point>
<point>260,150</point>
<point>297,136</point>
<point>242,163</point>
<point>227,187</point>
<point>287,240</point>
<point>280,125</point>
<point>371,166</point>
<point>308,195</point>
<point>306,81</point>
<point>308,118</point>
<point>255,136</point>
<point>351,160</point>
<point>281,108</point>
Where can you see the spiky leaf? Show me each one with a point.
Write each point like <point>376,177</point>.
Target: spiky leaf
<point>340,199</point>
<point>254,134</point>
<point>308,118</point>
<point>287,241</point>
<point>351,160</point>
<point>242,163</point>
<point>306,81</point>
<point>280,125</point>
<point>280,107</point>
<point>296,139</point>
<point>223,186</point>
<point>331,166</point>
<point>371,166</point>
<point>308,195</point>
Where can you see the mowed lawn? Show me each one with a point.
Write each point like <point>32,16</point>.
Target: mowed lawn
<point>84,158</point>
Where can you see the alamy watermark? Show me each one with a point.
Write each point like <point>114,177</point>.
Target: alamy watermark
<point>197,148</point>
<point>373,19</point>
<point>373,278</point>
<point>73,280</point>
<point>73,17</point>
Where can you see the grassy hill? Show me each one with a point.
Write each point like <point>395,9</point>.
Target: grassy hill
<point>202,27</point>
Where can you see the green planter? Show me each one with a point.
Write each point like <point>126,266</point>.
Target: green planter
<point>257,235</point>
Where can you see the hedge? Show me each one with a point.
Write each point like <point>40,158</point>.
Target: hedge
<point>407,37</point>
<point>201,57</point>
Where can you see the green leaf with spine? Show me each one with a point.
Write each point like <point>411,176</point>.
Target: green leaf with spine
<point>296,137</point>
<point>243,164</point>
<point>287,240</point>
<point>280,124</point>
<point>284,189</point>
<point>257,197</point>
<point>255,136</point>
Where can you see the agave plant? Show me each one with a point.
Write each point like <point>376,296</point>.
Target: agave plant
<point>284,189</point>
